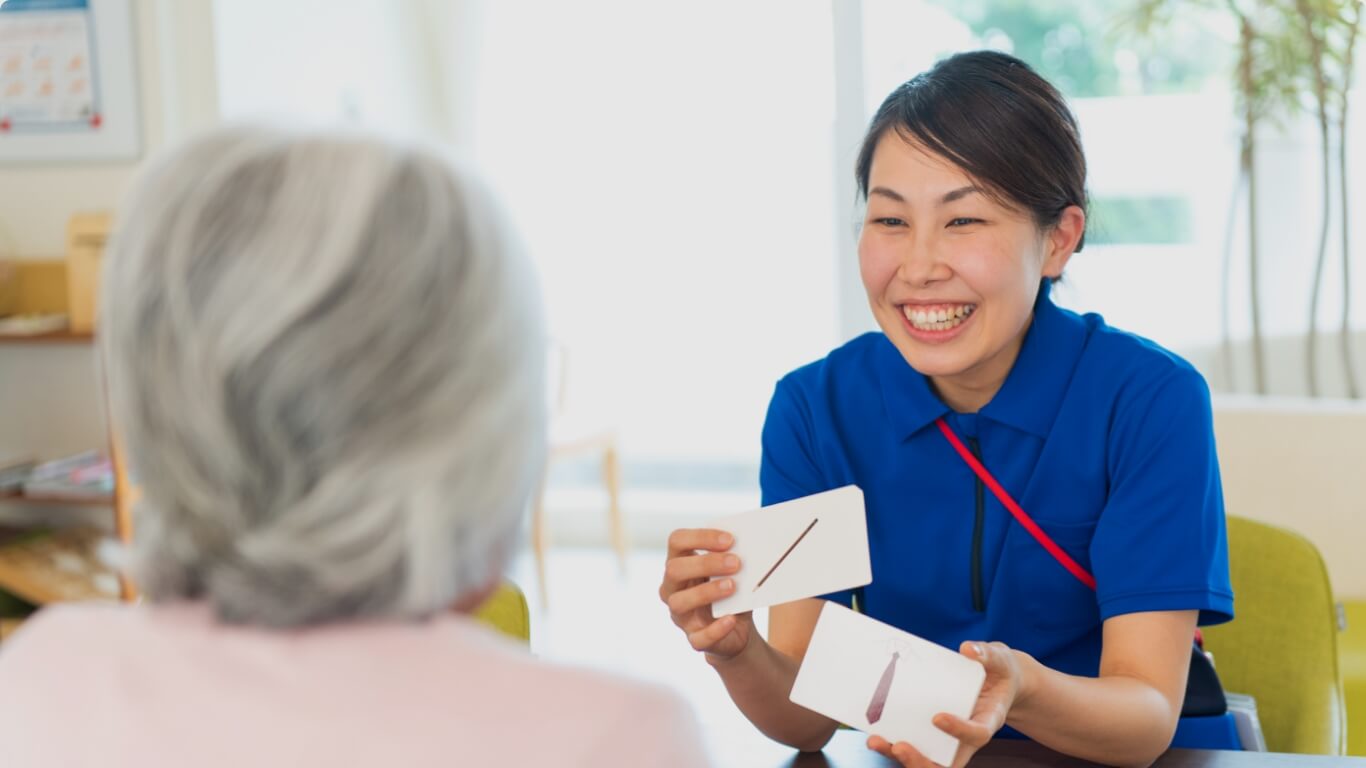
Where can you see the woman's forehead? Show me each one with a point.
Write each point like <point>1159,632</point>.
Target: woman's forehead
<point>905,171</point>
<point>900,162</point>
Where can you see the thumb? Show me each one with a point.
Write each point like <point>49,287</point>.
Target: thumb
<point>974,649</point>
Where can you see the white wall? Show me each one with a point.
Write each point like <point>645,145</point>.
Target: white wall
<point>1297,464</point>
<point>398,67</point>
<point>1285,359</point>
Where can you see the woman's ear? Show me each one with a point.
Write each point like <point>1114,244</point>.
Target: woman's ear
<point>1061,241</point>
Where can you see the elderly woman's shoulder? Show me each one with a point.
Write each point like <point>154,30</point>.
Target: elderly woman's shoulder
<point>66,639</point>
<point>571,681</point>
<point>67,622</point>
<point>94,637</point>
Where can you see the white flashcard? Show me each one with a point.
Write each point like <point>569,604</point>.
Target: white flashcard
<point>879,679</point>
<point>802,548</point>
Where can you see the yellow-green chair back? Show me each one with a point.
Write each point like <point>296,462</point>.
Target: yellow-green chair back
<point>506,611</point>
<point>1352,654</point>
<point>1282,646</point>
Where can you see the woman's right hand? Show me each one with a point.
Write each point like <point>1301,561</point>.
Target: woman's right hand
<point>695,556</point>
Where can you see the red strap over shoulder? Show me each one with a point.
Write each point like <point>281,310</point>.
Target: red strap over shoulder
<point>1015,510</point>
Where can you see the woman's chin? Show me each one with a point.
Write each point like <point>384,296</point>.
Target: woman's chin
<point>934,361</point>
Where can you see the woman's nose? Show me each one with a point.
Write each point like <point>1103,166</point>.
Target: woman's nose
<point>921,265</point>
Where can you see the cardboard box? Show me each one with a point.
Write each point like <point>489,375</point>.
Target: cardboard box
<point>33,287</point>
<point>85,239</point>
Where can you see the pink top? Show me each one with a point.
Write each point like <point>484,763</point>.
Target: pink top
<point>110,685</point>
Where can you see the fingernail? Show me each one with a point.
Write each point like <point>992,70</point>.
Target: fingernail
<point>726,539</point>
<point>979,650</point>
<point>727,585</point>
<point>732,562</point>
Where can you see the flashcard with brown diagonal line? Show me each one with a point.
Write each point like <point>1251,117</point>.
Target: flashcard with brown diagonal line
<point>879,679</point>
<point>801,548</point>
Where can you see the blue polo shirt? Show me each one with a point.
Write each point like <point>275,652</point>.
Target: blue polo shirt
<point>1104,438</point>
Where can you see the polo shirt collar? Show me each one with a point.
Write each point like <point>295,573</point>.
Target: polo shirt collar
<point>1036,385</point>
<point>906,394</point>
<point>1029,399</point>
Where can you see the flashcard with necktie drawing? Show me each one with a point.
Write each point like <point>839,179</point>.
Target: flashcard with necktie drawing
<point>802,548</point>
<point>879,679</point>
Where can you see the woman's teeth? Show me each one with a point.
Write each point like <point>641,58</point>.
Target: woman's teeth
<point>938,318</point>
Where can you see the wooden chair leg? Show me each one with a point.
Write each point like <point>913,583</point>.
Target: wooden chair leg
<point>611,475</point>
<point>125,496</point>
<point>539,542</point>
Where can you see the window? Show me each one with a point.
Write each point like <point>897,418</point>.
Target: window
<point>669,166</point>
<point>683,178</point>
<point>322,62</point>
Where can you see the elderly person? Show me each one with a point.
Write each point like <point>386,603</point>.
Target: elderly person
<point>325,355</point>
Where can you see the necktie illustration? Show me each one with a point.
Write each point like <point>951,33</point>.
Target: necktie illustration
<point>883,687</point>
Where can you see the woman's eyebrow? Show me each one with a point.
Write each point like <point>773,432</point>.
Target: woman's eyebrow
<point>958,194</point>
<point>890,194</point>
<point>949,197</point>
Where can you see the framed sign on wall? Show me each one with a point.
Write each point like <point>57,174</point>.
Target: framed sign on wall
<point>68,81</point>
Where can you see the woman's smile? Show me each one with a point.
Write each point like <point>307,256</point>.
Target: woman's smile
<point>936,323</point>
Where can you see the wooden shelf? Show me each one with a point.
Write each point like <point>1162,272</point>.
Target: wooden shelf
<point>8,626</point>
<point>56,337</point>
<point>57,501</point>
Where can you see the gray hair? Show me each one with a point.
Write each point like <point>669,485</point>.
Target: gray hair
<point>325,355</point>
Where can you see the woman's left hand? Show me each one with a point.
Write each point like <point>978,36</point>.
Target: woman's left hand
<point>999,691</point>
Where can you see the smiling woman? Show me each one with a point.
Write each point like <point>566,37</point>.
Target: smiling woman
<point>948,199</point>
<point>951,268</point>
<point>1098,442</point>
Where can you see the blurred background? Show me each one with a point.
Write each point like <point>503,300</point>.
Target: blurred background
<point>682,173</point>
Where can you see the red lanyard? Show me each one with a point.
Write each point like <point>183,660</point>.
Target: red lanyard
<point>1072,566</point>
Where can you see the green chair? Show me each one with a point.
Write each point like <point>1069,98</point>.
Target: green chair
<point>1352,652</point>
<point>506,611</point>
<point>1282,646</point>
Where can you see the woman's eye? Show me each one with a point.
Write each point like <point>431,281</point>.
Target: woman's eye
<point>963,221</point>
<point>889,221</point>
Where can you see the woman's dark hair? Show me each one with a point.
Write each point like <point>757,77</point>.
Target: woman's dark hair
<point>998,120</point>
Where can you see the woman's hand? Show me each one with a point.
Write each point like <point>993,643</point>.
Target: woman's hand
<point>696,555</point>
<point>999,692</point>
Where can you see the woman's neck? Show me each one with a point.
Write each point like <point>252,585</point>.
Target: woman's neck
<point>965,398</point>
<point>970,390</point>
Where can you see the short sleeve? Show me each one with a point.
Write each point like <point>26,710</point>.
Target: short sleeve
<point>1160,543</point>
<point>788,467</point>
